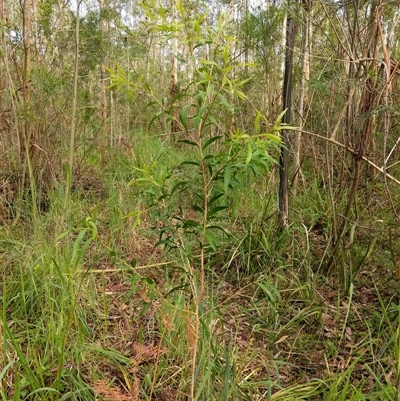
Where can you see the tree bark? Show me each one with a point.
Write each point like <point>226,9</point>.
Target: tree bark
<point>287,102</point>
<point>26,139</point>
<point>69,173</point>
<point>303,92</point>
<point>174,80</point>
<point>103,98</point>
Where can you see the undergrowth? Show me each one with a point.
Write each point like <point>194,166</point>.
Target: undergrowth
<point>167,277</point>
<point>98,312</point>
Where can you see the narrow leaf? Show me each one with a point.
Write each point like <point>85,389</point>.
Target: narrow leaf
<point>209,62</point>
<point>216,210</point>
<point>210,237</point>
<point>183,116</point>
<point>257,123</point>
<point>227,178</point>
<point>190,223</point>
<point>249,154</point>
<point>188,142</point>
<point>198,208</point>
<point>167,242</point>
<point>190,162</point>
<point>220,229</point>
<point>280,117</point>
<point>199,114</point>
<point>155,117</point>
<point>211,140</point>
<point>215,198</point>
<point>180,184</point>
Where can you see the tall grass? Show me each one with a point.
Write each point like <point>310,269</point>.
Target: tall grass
<point>96,312</point>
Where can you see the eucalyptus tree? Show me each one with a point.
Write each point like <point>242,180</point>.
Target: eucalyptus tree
<point>26,139</point>
<point>287,109</point>
<point>305,66</point>
<point>261,34</point>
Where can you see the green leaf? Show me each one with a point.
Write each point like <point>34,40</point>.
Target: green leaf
<point>197,118</point>
<point>150,104</point>
<point>210,237</point>
<point>213,120</point>
<point>244,82</point>
<point>4,371</point>
<point>77,244</point>
<point>220,229</point>
<point>92,227</point>
<point>288,127</point>
<point>145,308</point>
<point>178,288</point>
<point>180,8</point>
<point>183,116</point>
<point>211,140</point>
<point>167,242</point>
<point>209,62</point>
<point>241,95</point>
<point>215,198</point>
<point>201,95</point>
<point>190,223</point>
<point>183,61</point>
<point>155,117</point>
<point>148,280</point>
<point>257,123</point>
<point>198,209</point>
<point>226,54</point>
<point>227,178</point>
<point>271,137</point>
<point>279,119</point>
<point>180,184</point>
<point>215,210</point>
<point>188,142</point>
<point>249,154</point>
<point>190,162</point>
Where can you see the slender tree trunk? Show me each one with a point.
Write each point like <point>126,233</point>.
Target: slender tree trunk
<point>303,92</point>
<point>279,69</point>
<point>287,101</point>
<point>37,42</point>
<point>69,174</point>
<point>246,46</point>
<point>174,80</point>
<point>103,98</point>
<point>26,137</point>
<point>26,32</point>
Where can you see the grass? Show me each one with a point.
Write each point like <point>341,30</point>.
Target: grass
<point>93,311</point>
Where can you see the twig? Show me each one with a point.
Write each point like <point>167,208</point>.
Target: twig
<point>353,152</point>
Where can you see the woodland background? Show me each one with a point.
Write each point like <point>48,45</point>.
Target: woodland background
<point>199,200</point>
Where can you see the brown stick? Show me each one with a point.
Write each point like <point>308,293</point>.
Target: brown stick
<point>353,152</point>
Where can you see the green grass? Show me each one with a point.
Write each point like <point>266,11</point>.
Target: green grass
<point>93,311</point>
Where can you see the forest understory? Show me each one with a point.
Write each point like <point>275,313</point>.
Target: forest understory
<point>107,309</point>
<point>199,201</point>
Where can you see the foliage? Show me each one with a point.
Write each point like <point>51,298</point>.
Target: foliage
<point>168,280</point>
<point>260,31</point>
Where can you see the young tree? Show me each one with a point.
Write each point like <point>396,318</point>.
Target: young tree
<point>305,65</point>
<point>287,107</point>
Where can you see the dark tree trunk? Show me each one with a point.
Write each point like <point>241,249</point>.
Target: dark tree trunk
<point>286,101</point>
